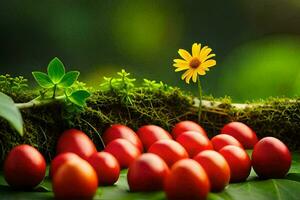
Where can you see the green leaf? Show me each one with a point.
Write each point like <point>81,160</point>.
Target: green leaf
<point>123,73</point>
<point>79,97</point>
<point>56,70</point>
<point>272,189</point>
<point>11,113</point>
<point>43,79</point>
<point>69,79</point>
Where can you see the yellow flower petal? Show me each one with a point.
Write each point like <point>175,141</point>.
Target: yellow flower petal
<point>195,50</point>
<point>181,65</point>
<point>208,63</point>
<point>184,54</point>
<point>181,68</point>
<point>203,49</point>
<point>204,53</point>
<point>188,77</point>
<point>185,74</point>
<point>180,61</point>
<point>195,76</point>
<point>201,71</point>
<point>209,56</point>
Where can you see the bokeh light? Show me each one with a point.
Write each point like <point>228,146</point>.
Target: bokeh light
<point>257,42</point>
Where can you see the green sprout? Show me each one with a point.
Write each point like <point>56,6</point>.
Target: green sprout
<point>123,82</point>
<point>57,79</point>
<point>10,84</point>
<point>153,85</point>
<point>122,85</point>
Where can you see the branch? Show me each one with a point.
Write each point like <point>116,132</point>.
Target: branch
<point>39,102</point>
<point>241,106</point>
<point>215,104</point>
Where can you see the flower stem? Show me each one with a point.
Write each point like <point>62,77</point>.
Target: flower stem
<point>200,100</point>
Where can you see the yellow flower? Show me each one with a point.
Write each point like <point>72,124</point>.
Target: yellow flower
<point>195,64</point>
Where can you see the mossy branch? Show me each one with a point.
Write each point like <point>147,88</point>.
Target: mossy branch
<point>40,102</point>
<point>215,104</point>
<point>45,120</point>
<point>205,103</point>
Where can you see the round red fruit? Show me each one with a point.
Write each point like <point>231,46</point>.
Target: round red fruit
<point>238,161</point>
<point>187,180</point>
<point>75,179</point>
<point>106,167</point>
<point>77,142</point>
<point>147,173</point>
<point>271,158</point>
<point>184,126</point>
<point>59,160</point>
<point>124,151</point>
<point>24,167</point>
<point>193,142</point>
<point>243,133</point>
<point>216,167</point>
<point>121,131</point>
<point>222,140</point>
<point>152,133</point>
<point>169,150</point>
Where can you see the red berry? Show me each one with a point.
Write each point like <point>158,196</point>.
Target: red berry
<point>184,126</point>
<point>243,133</point>
<point>24,167</point>
<point>124,151</point>
<point>106,167</point>
<point>121,131</point>
<point>77,142</point>
<point>271,158</point>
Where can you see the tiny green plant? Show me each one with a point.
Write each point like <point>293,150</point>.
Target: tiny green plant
<point>123,85</point>
<point>127,82</point>
<point>122,82</point>
<point>10,84</point>
<point>57,79</point>
<point>153,85</point>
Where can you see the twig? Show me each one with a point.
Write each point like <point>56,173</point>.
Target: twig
<point>39,102</point>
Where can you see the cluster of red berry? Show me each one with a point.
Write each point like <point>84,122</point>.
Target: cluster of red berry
<point>186,164</point>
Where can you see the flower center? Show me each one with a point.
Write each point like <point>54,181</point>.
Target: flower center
<point>194,63</point>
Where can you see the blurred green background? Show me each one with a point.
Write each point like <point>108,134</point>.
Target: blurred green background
<point>257,42</point>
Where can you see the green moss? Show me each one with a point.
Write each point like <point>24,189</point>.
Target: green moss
<point>145,105</point>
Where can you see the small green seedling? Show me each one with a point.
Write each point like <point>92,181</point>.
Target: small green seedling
<point>123,85</point>
<point>10,84</point>
<point>56,76</point>
<point>58,79</point>
<point>122,82</point>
